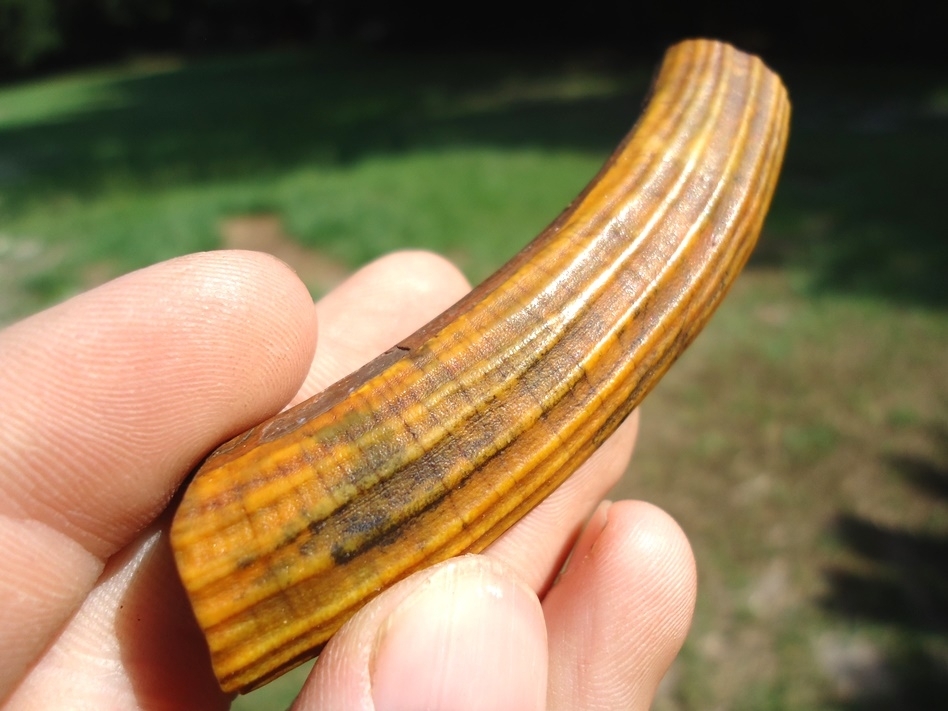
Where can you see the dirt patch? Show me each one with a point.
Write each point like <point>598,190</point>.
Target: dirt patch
<point>265,233</point>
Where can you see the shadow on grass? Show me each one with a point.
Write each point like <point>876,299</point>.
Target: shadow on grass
<point>859,209</point>
<point>266,114</point>
<point>859,206</point>
<point>902,587</point>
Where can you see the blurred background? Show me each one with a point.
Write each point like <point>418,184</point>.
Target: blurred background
<point>802,443</point>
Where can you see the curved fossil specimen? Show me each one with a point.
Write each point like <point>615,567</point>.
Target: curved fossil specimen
<point>443,442</point>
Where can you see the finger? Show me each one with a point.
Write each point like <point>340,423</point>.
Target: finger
<point>538,545</point>
<point>110,398</point>
<point>631,577</point>
<point>133,643</point>
<point>142,664</point>
<point>377,307</point>
<point>45,575</point>
<point>466,635</point>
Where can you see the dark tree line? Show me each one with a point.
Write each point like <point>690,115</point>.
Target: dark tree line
<point>38,34</point>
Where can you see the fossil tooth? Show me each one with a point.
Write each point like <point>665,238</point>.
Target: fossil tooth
<point>439,445</point>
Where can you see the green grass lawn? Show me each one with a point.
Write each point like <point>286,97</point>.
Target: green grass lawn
<point>802,443</point>
<point>102,172</point>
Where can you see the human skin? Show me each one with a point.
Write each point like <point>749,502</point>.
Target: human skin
<point>111,399</point>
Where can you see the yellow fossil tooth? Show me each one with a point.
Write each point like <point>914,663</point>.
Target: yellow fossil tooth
<point>439,445</point>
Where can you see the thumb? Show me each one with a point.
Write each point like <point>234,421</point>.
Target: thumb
<point>465,635</point>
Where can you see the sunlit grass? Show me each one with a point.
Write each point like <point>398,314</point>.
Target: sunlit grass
<point>477,205</point>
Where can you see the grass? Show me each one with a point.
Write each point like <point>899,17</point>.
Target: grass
<point>802,442</point>
<point>124,167</point>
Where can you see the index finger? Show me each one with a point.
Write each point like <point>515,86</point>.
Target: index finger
<point>110,399</point>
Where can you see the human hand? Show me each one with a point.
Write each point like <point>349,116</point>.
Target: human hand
<point>110,399</point>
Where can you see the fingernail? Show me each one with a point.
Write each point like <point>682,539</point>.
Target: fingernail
<point>470,638</point>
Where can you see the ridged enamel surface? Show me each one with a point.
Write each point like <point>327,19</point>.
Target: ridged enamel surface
<point>442,443</point>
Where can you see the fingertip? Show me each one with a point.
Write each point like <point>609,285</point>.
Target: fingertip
<point>431,275</point>
<point>466,635</point>
<point>267,325</point>
<point>638,541</point>
<point>415,279</point>
<point>137,379</point>
<point>641,539</point>
<point>483,638</point>
<point>377,307</point>
<point>631,577</point>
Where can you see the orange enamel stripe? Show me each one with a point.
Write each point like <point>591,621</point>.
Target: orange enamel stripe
<point>442,443</point>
